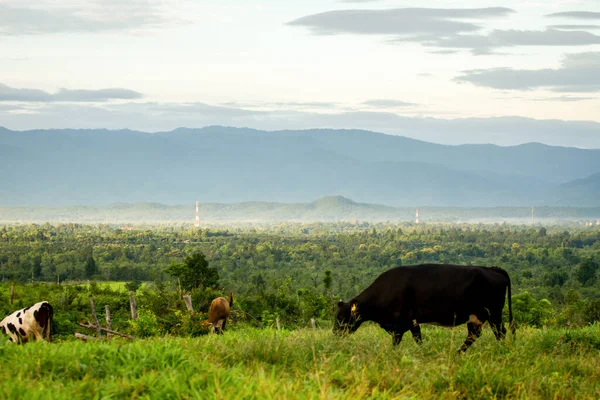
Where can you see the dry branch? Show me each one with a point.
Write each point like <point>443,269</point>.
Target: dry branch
<point>92,326</point>
<point>83,337</point>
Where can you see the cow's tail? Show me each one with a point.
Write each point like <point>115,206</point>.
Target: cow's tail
<point>230,299</point>
<point>511,323</point>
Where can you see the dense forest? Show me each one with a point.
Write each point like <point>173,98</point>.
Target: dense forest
<point>294,271</point>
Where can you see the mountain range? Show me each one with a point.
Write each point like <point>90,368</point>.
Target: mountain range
<point>332,208</point>
<point>230,165</point>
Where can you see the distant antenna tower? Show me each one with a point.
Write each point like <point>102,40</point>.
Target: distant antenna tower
<point>532,217</point>
<point>197,221</point>
<point>417,217</point>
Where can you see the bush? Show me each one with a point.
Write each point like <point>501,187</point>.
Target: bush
<point>145,325</point>
<point>528,311</point>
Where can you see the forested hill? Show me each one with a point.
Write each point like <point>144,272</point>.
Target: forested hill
<point>230,165</point>
<point>334,208</point>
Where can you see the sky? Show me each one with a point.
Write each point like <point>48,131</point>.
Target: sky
<point>503,72</point>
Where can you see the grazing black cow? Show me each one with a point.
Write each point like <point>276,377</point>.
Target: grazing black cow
<point>448,295</point>
<point>31,323</point>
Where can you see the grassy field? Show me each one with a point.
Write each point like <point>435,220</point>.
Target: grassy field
<point>250,363</point>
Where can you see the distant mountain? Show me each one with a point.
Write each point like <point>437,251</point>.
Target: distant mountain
<point>232,165</point>
<point>581,191</point>
<point>332,208</point>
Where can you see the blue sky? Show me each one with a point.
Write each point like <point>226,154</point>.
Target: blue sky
<point>157,65</point>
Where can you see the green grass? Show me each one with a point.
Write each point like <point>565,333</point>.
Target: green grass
<point>264,364</point>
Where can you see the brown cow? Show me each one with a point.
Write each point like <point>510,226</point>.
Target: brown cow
<point>219,312</point>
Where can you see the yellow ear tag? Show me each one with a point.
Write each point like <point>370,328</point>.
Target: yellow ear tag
<point>353,309</point>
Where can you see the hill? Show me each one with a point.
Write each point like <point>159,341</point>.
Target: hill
<point>333,208</point>
<point>232,165</point>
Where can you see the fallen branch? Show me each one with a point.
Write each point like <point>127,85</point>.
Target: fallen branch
<point>83,337</point>
<point>91,326</point>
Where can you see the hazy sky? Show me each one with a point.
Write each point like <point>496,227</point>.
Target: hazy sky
<point>156,65</point>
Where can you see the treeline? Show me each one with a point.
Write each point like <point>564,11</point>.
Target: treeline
<point>295,271</point>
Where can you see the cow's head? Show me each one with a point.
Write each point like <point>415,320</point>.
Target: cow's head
<point>347,318</point>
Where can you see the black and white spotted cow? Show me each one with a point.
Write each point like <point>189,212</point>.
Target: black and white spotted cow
<point>31,323</point>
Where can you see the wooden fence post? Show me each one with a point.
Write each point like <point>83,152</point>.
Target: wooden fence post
<point>134,314</point>
<point>12,293</point>
<point>108,335</point>
<point>278,324</point>
<point>312,322</point>
<point>188,302</point>
<point>95,317</point>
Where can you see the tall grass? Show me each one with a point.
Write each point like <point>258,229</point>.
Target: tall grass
<point>250,363</point>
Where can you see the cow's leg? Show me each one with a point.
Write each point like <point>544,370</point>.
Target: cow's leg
<point>223,326</point>
<point>416,332</point>
<point>498,326</point>
<point>474,331</point>
<point>397,337</point>
<point>398,331</point>
<point>37,335</point>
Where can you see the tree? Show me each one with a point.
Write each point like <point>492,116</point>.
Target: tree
<point>531,312</point>
<point>37,266</point>
<point>327,280</point>
<point>592,311</point>
<point>90,267</point>
<point>194,273</point>
<point>586,272</point>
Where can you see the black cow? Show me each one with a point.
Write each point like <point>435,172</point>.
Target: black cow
<point>448,295</point>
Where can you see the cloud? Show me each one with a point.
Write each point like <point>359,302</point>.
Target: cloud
<point>448,30</point>
<point>27,17</point>
<point>576,15</point>
<point>578,73</point>
<point>387,103</point>
<point>8,93</point>
<point>285,104</point>
<point>574,27</point>
<point>192,109</point>
<point>484,44</point>
<point>444,52</point>
<point>567,99</point>
<point>404,22</point>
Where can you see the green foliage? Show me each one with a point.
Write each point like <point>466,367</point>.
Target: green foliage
<point>571,314</point>
<point>528,311</point>
<point>133,286</point>
<point>145,325</point>
<point>327,280</point>
<point>190,323</point>
<point>283,269</point>
<point>591,312</point>
<point>194,273</point>
<point>90,267</point>
<point>586,272</point>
